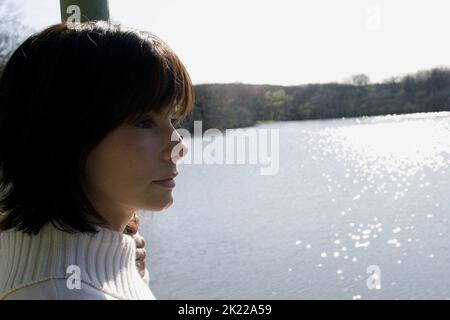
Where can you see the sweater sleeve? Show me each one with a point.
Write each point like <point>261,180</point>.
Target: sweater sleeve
<point>56,289</point>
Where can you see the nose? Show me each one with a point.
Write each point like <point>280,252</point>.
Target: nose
<point>178,147</point>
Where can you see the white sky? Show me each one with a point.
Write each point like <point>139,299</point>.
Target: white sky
<point>286,42</point>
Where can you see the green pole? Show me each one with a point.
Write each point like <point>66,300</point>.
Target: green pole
<point>84,10</point>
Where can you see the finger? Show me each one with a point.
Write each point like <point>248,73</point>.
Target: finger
<point>141,254</point>
<point>133,225</point>
<point>140,265</point>
<point>135,219</point>
<point>140,241</point>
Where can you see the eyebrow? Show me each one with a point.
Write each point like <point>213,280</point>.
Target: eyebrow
<point>158,115</point>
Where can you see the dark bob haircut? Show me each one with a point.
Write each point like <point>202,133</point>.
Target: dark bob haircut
<point>62,91</point>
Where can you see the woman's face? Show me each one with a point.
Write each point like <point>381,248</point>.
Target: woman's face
<point>120,170</point>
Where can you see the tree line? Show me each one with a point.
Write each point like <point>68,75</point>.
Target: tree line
<point>236,105</point>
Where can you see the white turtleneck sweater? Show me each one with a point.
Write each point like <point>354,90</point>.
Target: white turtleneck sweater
<point>58,265</point>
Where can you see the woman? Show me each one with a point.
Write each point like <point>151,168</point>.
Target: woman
<point>87,115</point>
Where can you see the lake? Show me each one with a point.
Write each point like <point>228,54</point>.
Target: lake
<point>358,210</point>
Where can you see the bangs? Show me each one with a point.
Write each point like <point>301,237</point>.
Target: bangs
<point>164,83</point>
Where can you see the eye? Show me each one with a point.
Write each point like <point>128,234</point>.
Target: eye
<point>146,123</point>
<point>175,122</point>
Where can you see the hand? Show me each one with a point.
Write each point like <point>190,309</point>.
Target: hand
<point>132,230</point>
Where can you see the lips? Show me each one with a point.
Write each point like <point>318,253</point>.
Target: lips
<point>168,177</point>
<point>167,182</point>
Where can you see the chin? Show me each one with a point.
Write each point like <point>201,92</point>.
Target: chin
<point>162,205</point>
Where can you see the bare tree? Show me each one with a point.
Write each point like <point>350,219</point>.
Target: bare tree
<point>360,80</point>
<point>12,30</point>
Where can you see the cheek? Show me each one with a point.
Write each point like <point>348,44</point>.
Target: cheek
<point>139,160</point>
<point>122,166</point>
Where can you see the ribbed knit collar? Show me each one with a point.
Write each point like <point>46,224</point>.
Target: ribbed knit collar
<point>106,260</point>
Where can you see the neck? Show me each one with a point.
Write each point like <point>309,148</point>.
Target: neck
<point>116,215</point>
<point>118,224</point>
